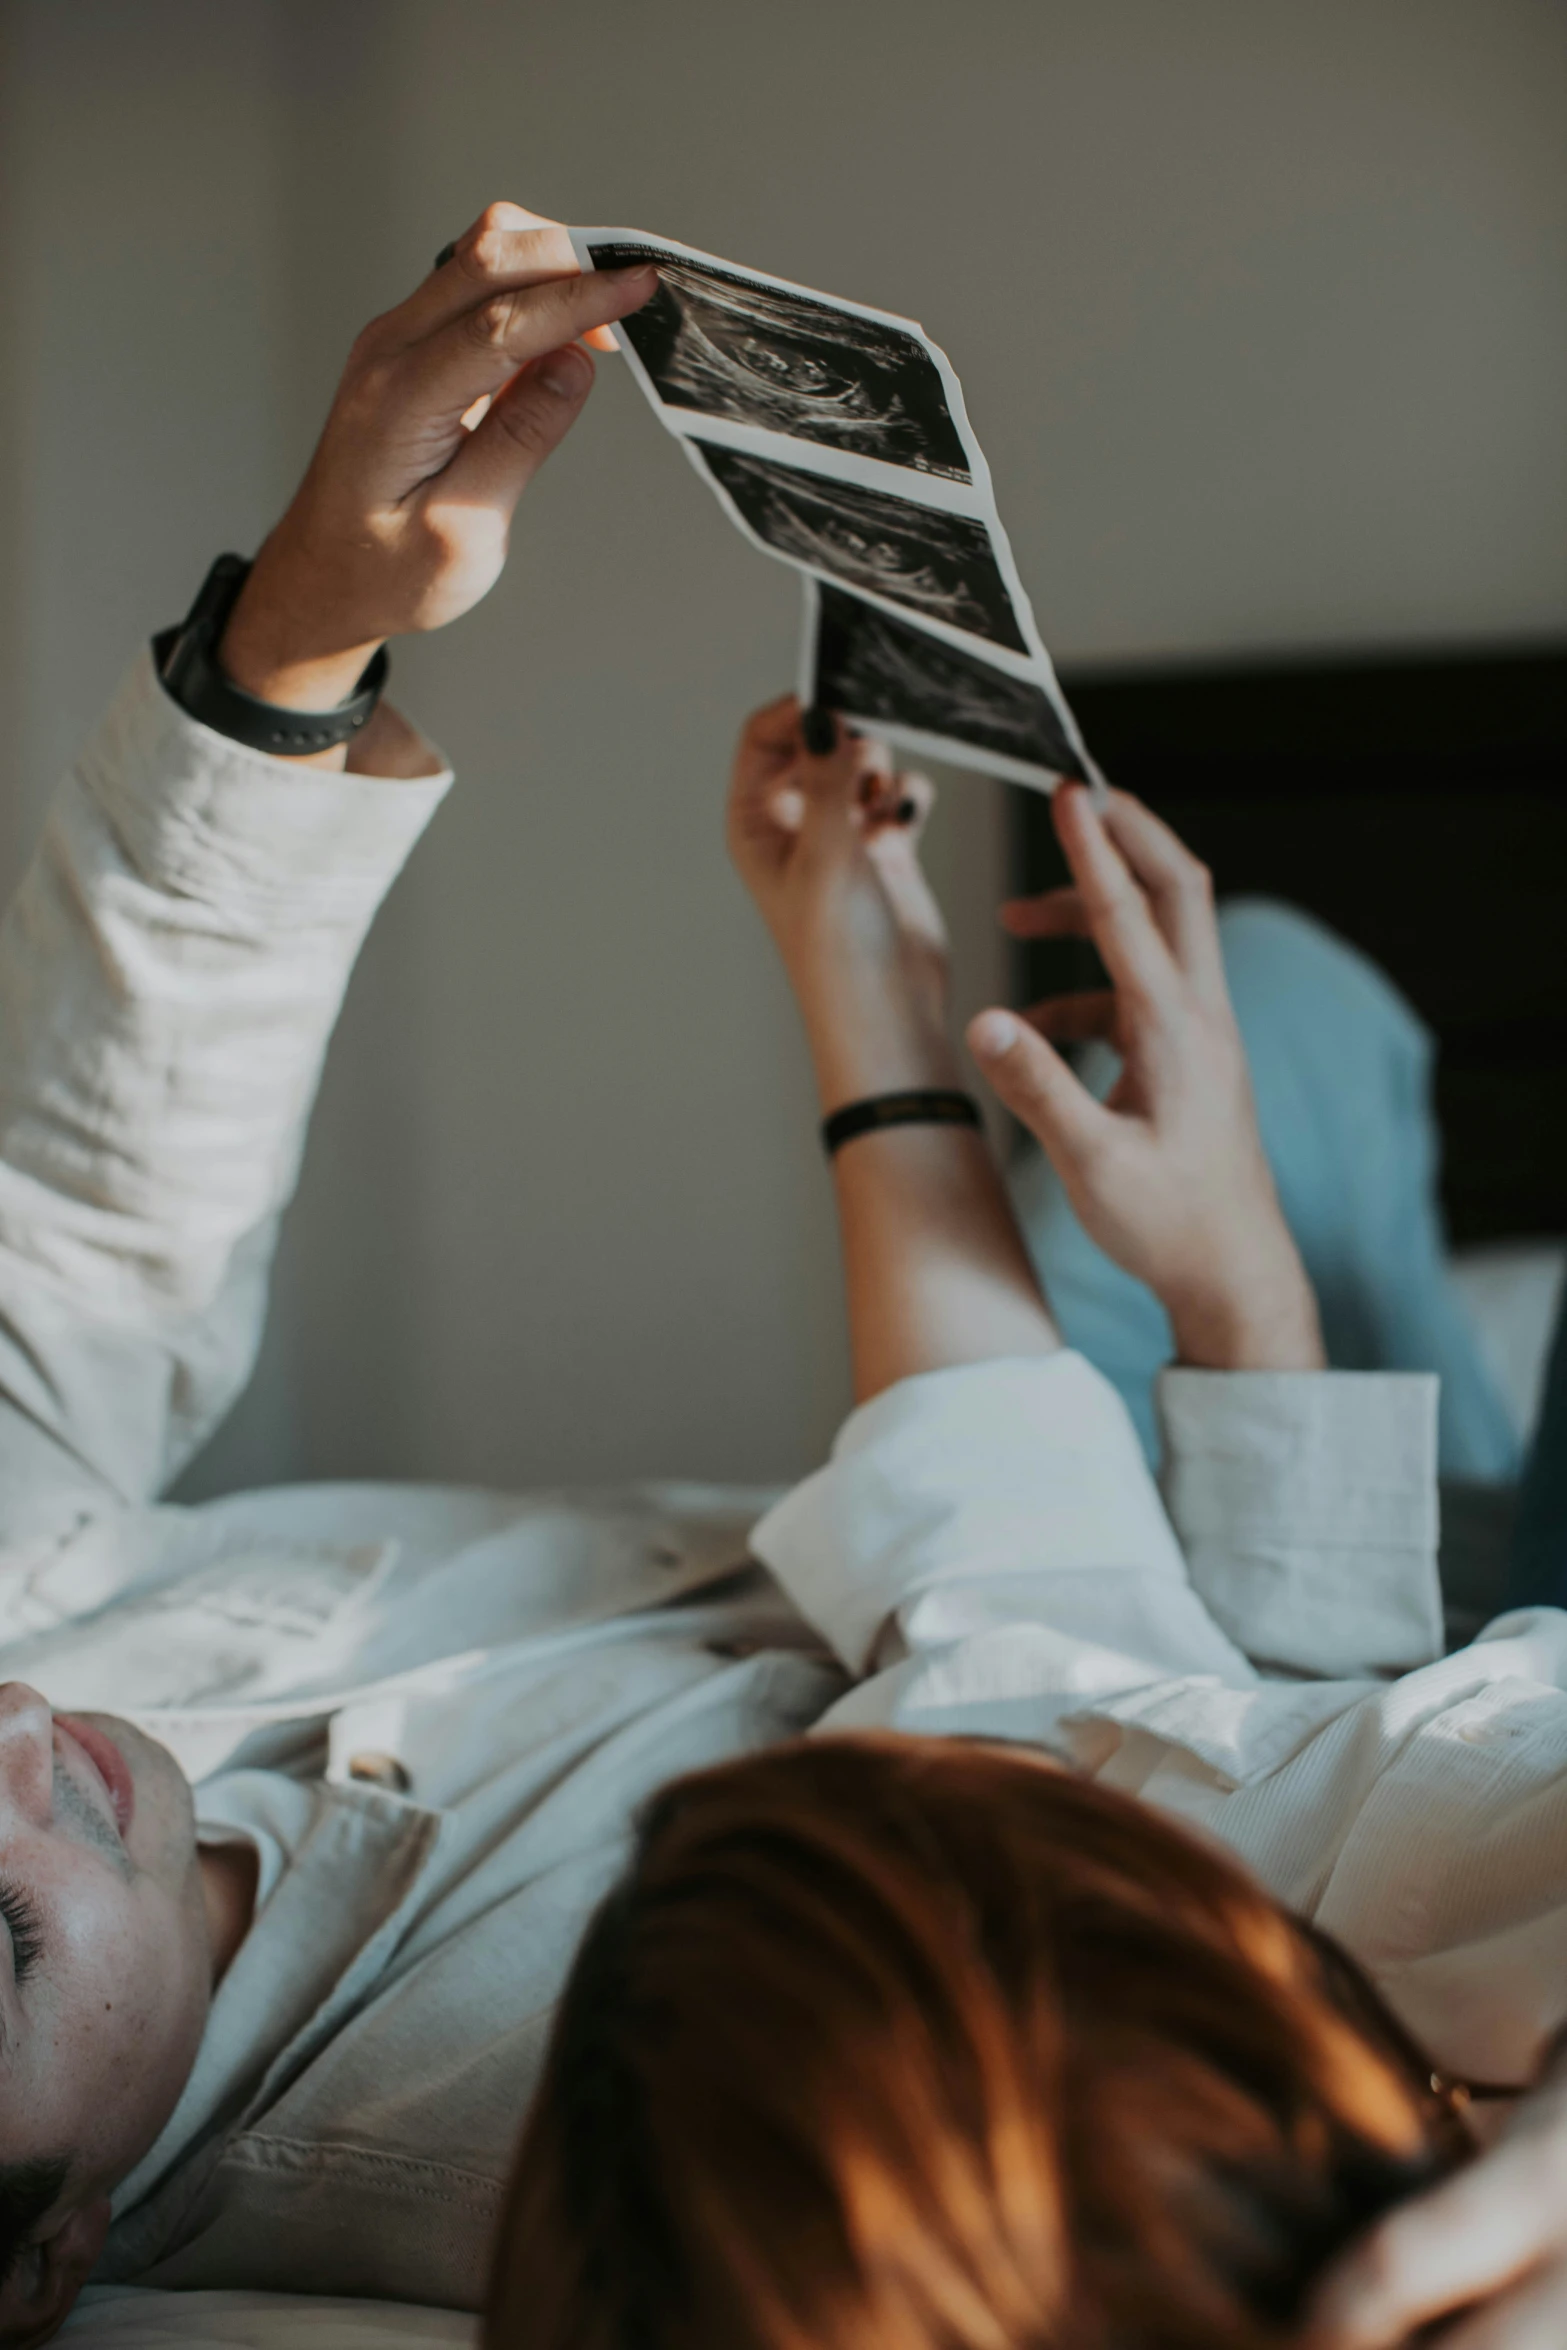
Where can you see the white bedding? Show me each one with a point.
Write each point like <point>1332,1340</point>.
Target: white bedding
<point>1511,1290</point>
<point>128,2317</point>
<point>1512,1293</point>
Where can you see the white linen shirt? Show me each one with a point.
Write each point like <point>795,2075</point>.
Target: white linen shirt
<point>984,1553</point>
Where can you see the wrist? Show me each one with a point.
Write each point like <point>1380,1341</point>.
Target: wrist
<point>1267,1324</point>
<point>870,1031</point>
<point>855,1062</point>
<point>285,644</point>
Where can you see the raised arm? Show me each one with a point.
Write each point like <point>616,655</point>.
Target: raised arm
<point>991,1483</point>
<point>171,970</point>
<point>935,1269</point>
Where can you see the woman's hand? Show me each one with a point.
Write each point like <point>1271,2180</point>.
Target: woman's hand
<point>935,1270</point>
<point>1168,1175</point>
<point>447,408</point>
<point>1492,2242</point>
<point>829,849</point>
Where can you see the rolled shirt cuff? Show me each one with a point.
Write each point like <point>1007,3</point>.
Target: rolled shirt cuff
<point>992,1469</point>
<point>257,836</point>
<point>1306,1505</point>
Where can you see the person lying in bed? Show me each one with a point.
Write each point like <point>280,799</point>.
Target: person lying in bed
<point>306,1798</point>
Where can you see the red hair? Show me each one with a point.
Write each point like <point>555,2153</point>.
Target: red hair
<point>907,2044</point>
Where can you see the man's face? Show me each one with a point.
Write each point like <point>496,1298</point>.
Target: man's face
<point>105,1971</point>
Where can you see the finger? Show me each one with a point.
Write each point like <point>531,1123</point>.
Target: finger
<point>1473,2236</point>
<point>1120,919</point>
<point>488,343</point>
<point>878,787</point>
<point>1036,1085</point>
<point>907,804</point>
<point>506,247</point>
<point>838,774</point>
<point>1055,913</point>
<point>1179,884</point>
<point>528,420</point>
<point>775,727</point>
<point>1074,1019</point>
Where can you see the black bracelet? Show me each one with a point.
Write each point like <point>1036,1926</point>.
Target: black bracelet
<point>185,659</point>
<point>918,1107</point>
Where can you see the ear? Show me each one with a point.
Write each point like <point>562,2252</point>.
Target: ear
<point>40,2292</point>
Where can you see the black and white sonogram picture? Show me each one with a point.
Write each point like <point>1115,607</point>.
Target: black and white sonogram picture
<point>939,565</point>
<point>762,355</point>
<point>868,665</point>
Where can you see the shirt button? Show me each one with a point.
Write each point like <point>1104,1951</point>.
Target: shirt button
<point>379,1770</point>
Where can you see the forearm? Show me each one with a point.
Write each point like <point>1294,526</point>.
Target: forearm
<point>935,1270</point>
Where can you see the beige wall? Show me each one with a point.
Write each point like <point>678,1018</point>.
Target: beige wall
<point>1259,314</point>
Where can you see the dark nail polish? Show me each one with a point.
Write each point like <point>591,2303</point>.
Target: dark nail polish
<point>818,731</point>
<point>444,255</point>
<point>906,811</point>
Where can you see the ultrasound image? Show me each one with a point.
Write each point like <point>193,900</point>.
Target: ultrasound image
<point>758,355</point>
<point>941,565</point>
<point>871,666</point>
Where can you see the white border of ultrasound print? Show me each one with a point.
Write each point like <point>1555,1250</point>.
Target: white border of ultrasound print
<point>949,749</point>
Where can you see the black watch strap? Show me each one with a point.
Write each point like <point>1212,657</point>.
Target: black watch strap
<point>186,661</point>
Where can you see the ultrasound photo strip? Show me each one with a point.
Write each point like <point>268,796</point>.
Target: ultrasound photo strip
<point>836,439</point>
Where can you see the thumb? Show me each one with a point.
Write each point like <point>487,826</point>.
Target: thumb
<point>528,419</point>
<point>828,782</point>
<point>1036,1085</point>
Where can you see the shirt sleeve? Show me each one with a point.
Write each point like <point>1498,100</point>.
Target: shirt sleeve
<point>170,972</point>
<point>1306,1505</point>
<point>987,1544</point>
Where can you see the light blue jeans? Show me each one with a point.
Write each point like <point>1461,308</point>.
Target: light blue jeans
<point>1341,1068</point>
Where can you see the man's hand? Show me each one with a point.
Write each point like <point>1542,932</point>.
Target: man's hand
<point>448,406</point>
<point>1168,1175</point>
<point>1492,2241</point>
<point>829,849</point>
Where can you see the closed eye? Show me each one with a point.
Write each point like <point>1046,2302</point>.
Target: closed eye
<point>25,1929</point>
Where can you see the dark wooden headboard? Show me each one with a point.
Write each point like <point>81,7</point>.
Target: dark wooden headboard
<point>1419,806</point>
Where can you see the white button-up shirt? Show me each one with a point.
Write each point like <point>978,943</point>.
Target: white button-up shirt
<point>1258,1651</point>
